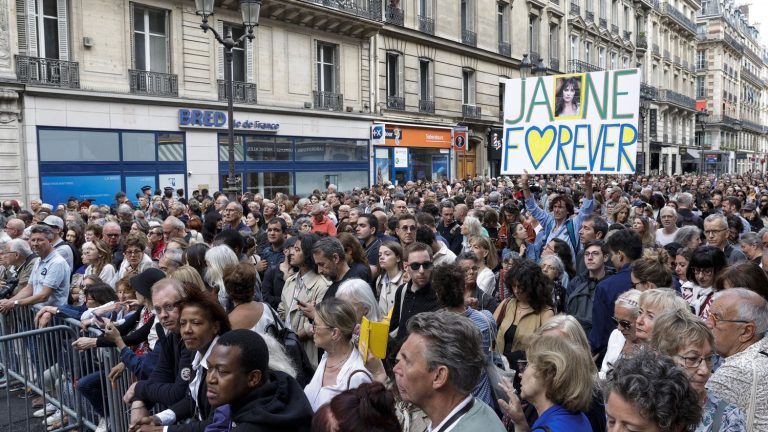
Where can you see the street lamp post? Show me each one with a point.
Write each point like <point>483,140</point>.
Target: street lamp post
<point>250,13</point>
<point>645,105</point>
<point>701,119</point>
<point>525,66</point>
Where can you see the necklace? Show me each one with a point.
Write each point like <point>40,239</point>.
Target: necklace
<point>339,363</point>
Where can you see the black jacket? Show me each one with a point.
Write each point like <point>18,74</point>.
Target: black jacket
<point>278,405</point>
<point>579,297</point>
<point>452,234</point>
<point>170,379</point>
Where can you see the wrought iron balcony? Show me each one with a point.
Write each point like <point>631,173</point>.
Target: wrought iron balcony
<point>627,35</point>
<point>396,103</point>
<point>578,66</point>
<point>328,100</point>
<point>369,9</point>
<point>656,50</point>
<point>426,24</point>
<point>505,49</point>
<point>676,98</point>
<point>153,83</point>
<point>678,17</point>
<point>667,56</point>
<point>642,42</point>
<point>685,65</point>
<point>394,15</point>
<point>471,111</point>
<point>701,65</point>
<point>603,23</point>
<point>47,72</point>
<point>725,120</point>
<point>614,29</point>
<point>648,92</point>
<point>554,64</point>
<point>736,45</point>
<point>468,37</point>
<point>557,2</point>
<point>244,92</point>
<point>590,16</point>
<point>427,106</point>
<point>752,126</point>
<point>701,93</point>
<point>745,73</point>
<point>575,7</point>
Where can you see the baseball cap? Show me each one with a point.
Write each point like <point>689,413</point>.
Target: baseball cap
<point>54,222</point>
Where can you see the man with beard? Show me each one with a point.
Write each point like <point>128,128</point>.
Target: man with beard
<point>331,262</point>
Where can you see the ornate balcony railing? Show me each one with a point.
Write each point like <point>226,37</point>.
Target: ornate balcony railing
<point>701,65</point>
<point>701,93</point>
<point>614,29</point>
<point>153,83</point>
<point>590,16</point>
<point>676,59</point>
<point>725,120</point>
<point>745,73</point>
<point>648,92</point>
<point>426,25</point>
<point>394,15</point>
<point>678,16</point>
<point>677,99</point>
<point>641,42</point>
<point>369,9</point>
<point>603,23</point>
<point>328,100</point>
<point>468,37</point>
<point>578,66</point>
<point>667,56</point>
<point>685,65</point>
<point>47,72</point>
<point>752,126</point>
<point>396,103</point>
<point>427,106</point>
<point>471,111</point>
<point>554,64</point>
<point>627,35</point>
<point>656,50</point>
<point>244,92</point>
<point>505,49</point>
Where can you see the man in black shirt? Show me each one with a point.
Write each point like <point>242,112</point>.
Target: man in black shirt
<point>417,295</point>
<point>366,231</point>
<point>331,262</point>
<point>449,228</point>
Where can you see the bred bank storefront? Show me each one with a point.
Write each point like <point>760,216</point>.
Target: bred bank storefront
<point>92,149</point>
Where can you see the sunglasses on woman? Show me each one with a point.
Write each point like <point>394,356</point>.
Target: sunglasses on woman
<point>624,324</point>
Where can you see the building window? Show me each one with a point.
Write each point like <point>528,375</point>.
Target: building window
<point>625,62</point>
<point>615,12</point>
<point>425,8</point>
<point>468,87</point>
<point>502,17</point>
<point>601,57</point>
<point>425,80</point>
<point>701,59</point>
<point>627,20</point>
<point>150,39</point>
<point>614,65</point>
<point>533,35</point>
<point>326,68</point>
<point>554,41</point>
<point>394,74</point>
<point>238,53</point>
<point>588,52</point>
<point>574,41</point>
<point>468,15</point>
<point>602,9</point>
<point>701,91</point>
<point>44,15</point>
<point>502,91</point>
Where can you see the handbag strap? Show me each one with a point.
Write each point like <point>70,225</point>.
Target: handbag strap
<point>349,379</point>
<point>717,421</point>
<point>503,312</point>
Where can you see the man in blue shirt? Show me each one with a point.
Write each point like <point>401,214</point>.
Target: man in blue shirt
<point>49,281</point>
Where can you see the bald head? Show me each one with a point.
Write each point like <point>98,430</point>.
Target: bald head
<point>14,228</point>
<point>738,318</point>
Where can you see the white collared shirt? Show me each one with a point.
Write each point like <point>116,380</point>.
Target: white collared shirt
<point>456,409</point>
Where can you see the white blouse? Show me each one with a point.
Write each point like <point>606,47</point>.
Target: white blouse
<point>319,395</point>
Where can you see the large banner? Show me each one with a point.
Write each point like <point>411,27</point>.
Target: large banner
<point>572,123</point>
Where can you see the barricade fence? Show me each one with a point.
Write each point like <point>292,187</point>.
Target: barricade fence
<point>70,381</point>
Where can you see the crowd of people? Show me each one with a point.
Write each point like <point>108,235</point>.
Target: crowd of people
<point>542,303</point>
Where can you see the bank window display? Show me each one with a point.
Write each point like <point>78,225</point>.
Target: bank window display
<point>224,148</point>
<point>170,147</point>
<point>331,149</point>
<point>138,146</point>
<point>306,182</point>
<point>261,148</point>
<point>78,145</point>
<point>269,183</point>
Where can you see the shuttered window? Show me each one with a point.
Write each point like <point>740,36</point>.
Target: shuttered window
<point>43,28</point>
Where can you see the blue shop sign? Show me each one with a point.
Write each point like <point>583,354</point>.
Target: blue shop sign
<point>209,119</point>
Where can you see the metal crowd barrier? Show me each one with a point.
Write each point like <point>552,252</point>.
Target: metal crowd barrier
<point>47,366</point>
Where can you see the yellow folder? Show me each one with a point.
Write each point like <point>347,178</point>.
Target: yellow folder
<point>373,337</point>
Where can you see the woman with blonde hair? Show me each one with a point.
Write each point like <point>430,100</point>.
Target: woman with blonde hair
<point>620,214</point>
<point>645,227</point>
<point>471,227</point>
<point>559,381</point>
<point>190,278</point>
<point>652,270</point>
<point>97,255</point>
<point>487,260</point>
<point>654,303</point>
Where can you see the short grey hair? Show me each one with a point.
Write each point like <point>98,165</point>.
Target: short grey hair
<point>21,246</point>
<point>717,218</point>
<point>668,209</point>
<point>42,229</point>
<point>303,220</point>
<point>359,293</point>
<point>750,238</point>
<point>750,306</point>
<point>686,233</point>
<point>329,246</point>
<point>762,233</point>
<point>685,199</point>
<point>176,255</point>
<point>452,340</point>
<point>175,222</point>
<point>555,261</point>
<point>124,209</point>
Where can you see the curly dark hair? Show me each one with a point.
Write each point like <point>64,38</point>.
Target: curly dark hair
<point>448,283</point>
<point>527,276</point>
<point>658,388</point>
<point>211,308</point>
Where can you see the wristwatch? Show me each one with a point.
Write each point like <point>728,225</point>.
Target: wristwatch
<point>15,303</point>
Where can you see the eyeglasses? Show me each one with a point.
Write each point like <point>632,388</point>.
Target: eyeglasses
<point>472,269</point>
<point>714,232</point>
<point>408,228</point>
<point>112,235</point>
<point>705,271</point>
<point>624,324</point>
<point>168,308</point>
<point>716,319</point>
<point>593,254</point>
<point>133,252</point>
<point>694,362</point>
<point>315,327</point>
<point>415,266</point>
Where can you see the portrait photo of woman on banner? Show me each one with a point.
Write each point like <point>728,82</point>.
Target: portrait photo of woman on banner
<point>568,96</point>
